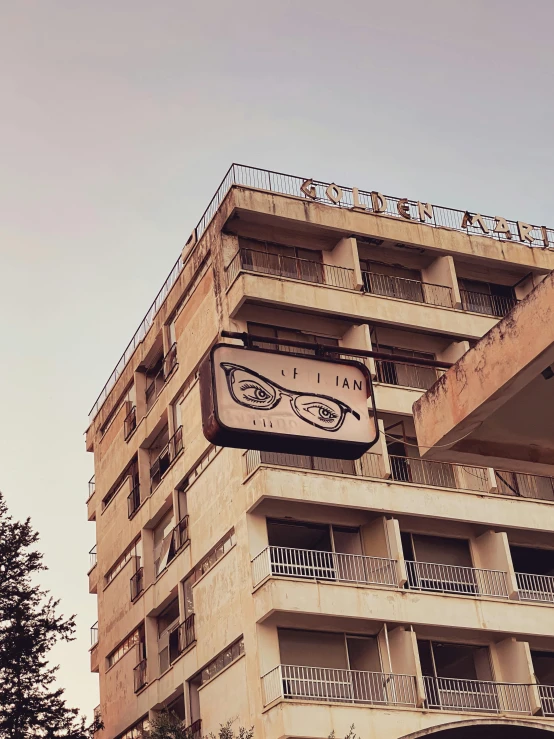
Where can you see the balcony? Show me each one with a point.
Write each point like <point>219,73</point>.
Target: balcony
<point>439,474</point>
<point>165,458</point>
<point>522,485</point>
<point>181,637</point>
<point>402,374</point>
<point>92,558</point>
<point>369,465</point>
<point>405,289</point>
<point>454,694</point>
<point>133,501</point>
<point>137,584</point>
<point>160,375</point>
<point>139,676</point>
<point>489,305</point>
<point>338,685</point>
<point>130,422</point>
<point>292,268</point>
<point>94,634</point>
<point>91,488</point>
<point>441,578</point>
<point>538,588</point>
<point>323,565</point>
<point>194,731</point>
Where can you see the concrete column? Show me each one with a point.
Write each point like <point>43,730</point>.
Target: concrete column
<point>404,658</point>
<point>454,351</point>
<point>381,538</point>
<point>140,394</point>
<point>395,548</point>
<point>345,254</point>
<point>143,464</point>
<point>149,573</point>
<point>512,663</point>
<point>529,283</point>
<point>151,636</point>
<point>381,448</point>
<point>491,551</point>
<point>229,247</point>
<point>359,337</point>
<point>268,648</point>
<point>257,533</point>
<point>442,271</point>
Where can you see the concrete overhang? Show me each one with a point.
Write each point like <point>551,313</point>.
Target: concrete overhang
<point>495,406</point>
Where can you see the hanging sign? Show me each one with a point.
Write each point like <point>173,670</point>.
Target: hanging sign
<point>283,402</point>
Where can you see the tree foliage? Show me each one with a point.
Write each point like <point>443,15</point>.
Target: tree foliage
<point>31,705</point>
<point>167,725</point>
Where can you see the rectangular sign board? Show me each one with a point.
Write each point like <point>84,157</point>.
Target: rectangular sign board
<point>284,402</point>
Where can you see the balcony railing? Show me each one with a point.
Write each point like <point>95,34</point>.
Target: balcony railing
<point>318,565</point>
<point>292,268</point>
<point>476,695</point>
<point>133,501</point>
<point>194,731</point>
<point>438,474</point>
<point>406,375</point>
<point>139,673</point>
<point>181,637</point>
<point>456,579</point>
<point>130,422</point>
<point>535,587</point>
<point>546,693</point>
<point>489,305</point>
<point>369,465</point>
<point>336,685</point>
<point>137,584</point>
<point>525,486</point>
<point>155,384</point>
<point>165,458</point>
<point>405,289</point>
<point>91,488</point>
<point>181,534</point>
<point>94,634</point>
<point>92,558</point>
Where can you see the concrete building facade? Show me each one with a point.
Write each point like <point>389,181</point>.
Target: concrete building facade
<point>301,595</point>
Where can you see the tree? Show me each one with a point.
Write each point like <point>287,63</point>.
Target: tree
<point>31,706</point>
<point>167,725</point>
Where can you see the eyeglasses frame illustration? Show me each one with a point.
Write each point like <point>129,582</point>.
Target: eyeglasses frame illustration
<point>230,368</point>
<point>237,437</point>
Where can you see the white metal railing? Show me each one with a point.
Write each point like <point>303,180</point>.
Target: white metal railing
<point>538,487</point>
<point>535,587</point>
<point>338,685</point>
<point>369,465</point>
<point>456,579</point>
<point>449,693</point>
<point>439,474</point>
<point>546,693</point>
<point>312,564</point>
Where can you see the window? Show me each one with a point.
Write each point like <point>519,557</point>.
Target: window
<point>137,730</point>
<point>167,620</point>
<point>278,259</point>
<point>486,297</point>
<point>223,659</point>
<point>163,540</point>
<point>134,550</point>
<point>128,396</point>
<point>136,638</point>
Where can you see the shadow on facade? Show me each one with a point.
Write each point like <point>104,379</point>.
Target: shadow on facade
<point>488,729</point>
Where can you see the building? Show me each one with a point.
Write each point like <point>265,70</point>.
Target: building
<point>302,595</point>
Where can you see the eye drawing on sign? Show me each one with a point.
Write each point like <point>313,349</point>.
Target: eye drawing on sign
<point>254,391</point>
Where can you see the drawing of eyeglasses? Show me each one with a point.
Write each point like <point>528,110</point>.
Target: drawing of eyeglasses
<point>254,391</point>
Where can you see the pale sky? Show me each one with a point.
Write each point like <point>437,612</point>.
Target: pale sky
<point>120,118</point>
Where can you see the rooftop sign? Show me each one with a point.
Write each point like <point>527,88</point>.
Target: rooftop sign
<point>271,401</point>
<point>411,210</point>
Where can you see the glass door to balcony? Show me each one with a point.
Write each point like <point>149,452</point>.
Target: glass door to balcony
<point>534,570</point>
<point>439,564</point>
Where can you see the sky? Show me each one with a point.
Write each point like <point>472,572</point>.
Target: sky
<point>119,119</point>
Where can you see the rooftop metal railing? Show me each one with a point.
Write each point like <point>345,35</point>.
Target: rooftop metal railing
<point>314,564</point>
<point>293,268</point>
<point>535,587</point>
<point>438,474</point>
<point>443,578</point>
<point>285,184</point>
<point>449,694</point>
<point>338,685</point>
<point>489,305</point>
<point>522,485</point>
<point>407,289</point>
<point>391,372</point>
